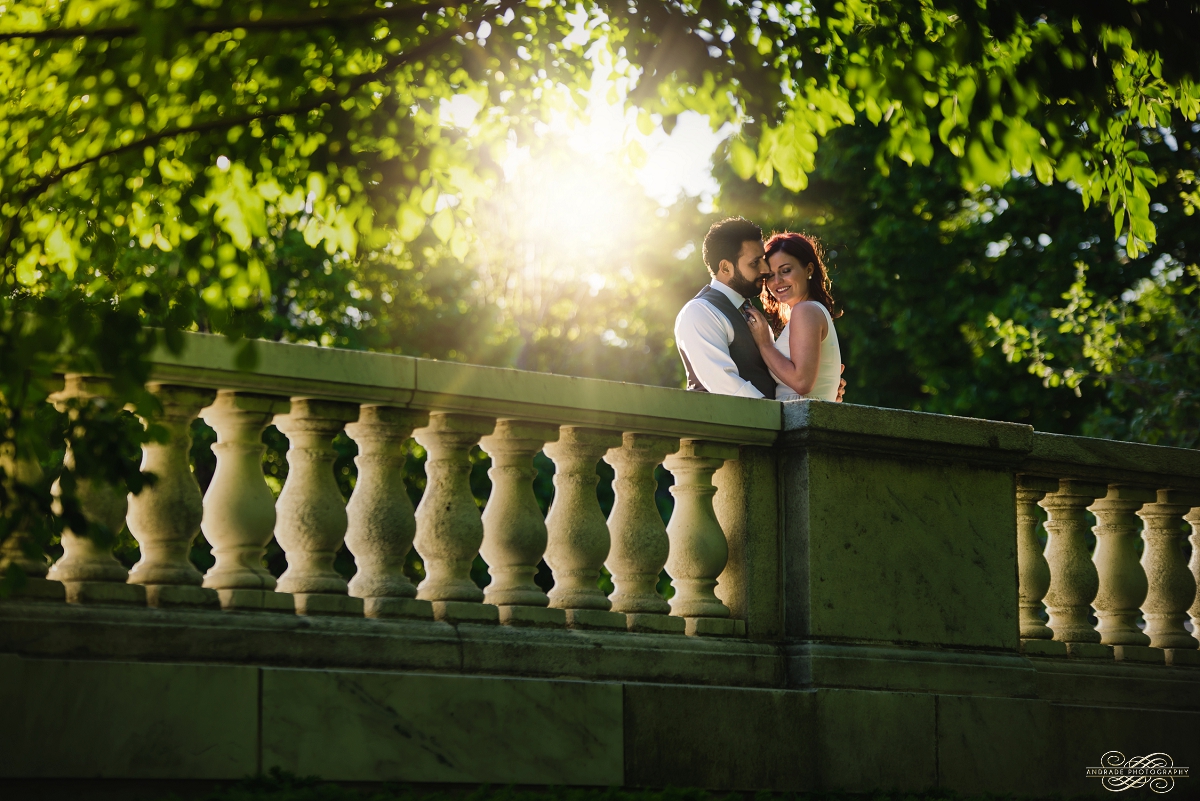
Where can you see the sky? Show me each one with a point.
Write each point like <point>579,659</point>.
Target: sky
<point>679,163</point>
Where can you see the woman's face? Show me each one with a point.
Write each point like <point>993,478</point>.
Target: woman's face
<point>788,282</point>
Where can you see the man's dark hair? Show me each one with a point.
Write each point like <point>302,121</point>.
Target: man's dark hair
<point>723,242</point>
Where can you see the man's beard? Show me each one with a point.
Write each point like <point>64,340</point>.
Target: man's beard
<point>739,284</point>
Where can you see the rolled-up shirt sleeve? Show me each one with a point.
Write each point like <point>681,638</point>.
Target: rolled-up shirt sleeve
<point>704,336</point>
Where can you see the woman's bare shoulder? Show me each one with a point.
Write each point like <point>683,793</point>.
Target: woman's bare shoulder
<point>810,311</point>
<point>810,317</point>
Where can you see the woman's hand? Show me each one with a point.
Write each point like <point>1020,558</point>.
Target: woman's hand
<point>760,329</point>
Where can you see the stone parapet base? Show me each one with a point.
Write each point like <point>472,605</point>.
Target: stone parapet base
<point>131,721</point>
<point>140,695</point>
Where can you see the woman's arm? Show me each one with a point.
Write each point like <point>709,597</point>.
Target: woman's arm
<point>805,334</point>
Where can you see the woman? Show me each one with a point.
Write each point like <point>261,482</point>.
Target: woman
<point>805,359</point>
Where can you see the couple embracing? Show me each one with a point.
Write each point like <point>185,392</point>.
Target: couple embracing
<point>731,348</point>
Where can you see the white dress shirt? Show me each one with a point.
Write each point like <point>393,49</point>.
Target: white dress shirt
<point>703,334</point>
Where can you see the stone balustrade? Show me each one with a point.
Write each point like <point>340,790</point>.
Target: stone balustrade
<point>311,395</point>
<point>1130,597</point>
<point>860,598</point>
<point>1127,598</point>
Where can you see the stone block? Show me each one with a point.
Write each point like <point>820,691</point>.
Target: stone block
<point>361,726</point>
<point>868,740</point>
<point>398,607</point>
<point>163,596</point>
<point>1089,650</point>
<point>532,616</point>
<point>40,589</point>
<point>1043,648</point>
<point>1082,735</point>
<point>313,603</point>
<point>1139,653</point>
<point>890,549</point>
<point>1180,657</point>
<point>105,592</point>
<point>901,669</point>
<point>68,719</point>
<point>595,619</point>
<point>256,601</point>
<point>465,612</point>
<point>985,744</point>
<point>712,627</point>
<point>719,738</point>
<point>655,624</point>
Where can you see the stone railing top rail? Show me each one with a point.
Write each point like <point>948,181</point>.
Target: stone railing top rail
<point>1032,452</point>
<point>362,377</point>
<point>848,422</point>
<point>1113,462</point>
<point>404,381</point>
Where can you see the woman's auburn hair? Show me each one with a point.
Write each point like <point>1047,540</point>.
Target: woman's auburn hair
<point>807,250</point>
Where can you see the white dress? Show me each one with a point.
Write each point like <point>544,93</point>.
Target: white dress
<point>829,368</point>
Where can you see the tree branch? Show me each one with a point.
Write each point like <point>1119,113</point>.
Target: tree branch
<point>295,23</point>
<point>26,195</point>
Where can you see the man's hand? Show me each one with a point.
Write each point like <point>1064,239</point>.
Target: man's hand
<point>841,386</point>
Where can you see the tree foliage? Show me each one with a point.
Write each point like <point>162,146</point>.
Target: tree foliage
<point>279,169</point>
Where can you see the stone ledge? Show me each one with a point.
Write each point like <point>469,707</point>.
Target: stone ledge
<point>871,428</point>
<point>398,607</point>
<point>166,595</point>
<point>656,624</point>
<point>715,627</point>
<point>1089,650</point>
<point>1112,683</point>
<point>1139,653</point>
<point>41,589</point>
<point>465,612</point>
<point>39,629</point>
<point>595,619</point>
<point>256,601</point>
<point>1043,648</point>
<point>532,616</point>
<point>311,603</point>
<point>1179,657</point>
<point>880,666</point>
<point>104,592</point>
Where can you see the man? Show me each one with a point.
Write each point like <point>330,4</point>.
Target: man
<point>714,341</point>
<point>711,333</point>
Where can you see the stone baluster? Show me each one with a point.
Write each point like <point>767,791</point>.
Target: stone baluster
<point>239,509</point>
<point>165,516</point>
<point>577,532</point>
<point>514,532</point>
<point>698,548</point>
<point>1172,587</point>
<point>310,515</point>
<point>87,568</point>
<point>449,528</point>
<point>1034,572</point>
<point>1122,579</point>
<point>1193,519</point>
<point>1073,577</point>
<point>381,524</point>
<point>20,549</point>
<point>640,545</point>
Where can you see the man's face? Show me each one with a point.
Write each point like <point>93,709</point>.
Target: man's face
<point>747,276</point>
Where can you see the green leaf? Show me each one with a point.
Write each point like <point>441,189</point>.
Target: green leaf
<point>410,222</point>
<point>743,159</point>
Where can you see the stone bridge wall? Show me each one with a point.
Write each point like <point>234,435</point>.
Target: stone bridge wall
<point>858,603</point>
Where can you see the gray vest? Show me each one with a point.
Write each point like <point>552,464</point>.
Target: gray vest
<point>742,350</point>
